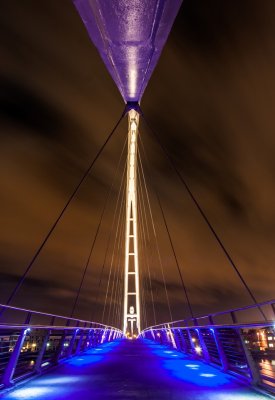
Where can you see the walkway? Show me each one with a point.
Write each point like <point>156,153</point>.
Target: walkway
<point>125,370</point>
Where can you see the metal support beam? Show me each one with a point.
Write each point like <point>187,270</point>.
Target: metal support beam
<point>131,314</point>
<point>10,369</point>
<point>41,352</point>
<point>222,355</point>
<point>254,371</point>
<point>72,342</point>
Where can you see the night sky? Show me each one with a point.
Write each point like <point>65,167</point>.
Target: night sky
<point>211,101</point>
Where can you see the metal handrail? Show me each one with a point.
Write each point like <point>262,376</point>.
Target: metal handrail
<point>236,325</point>
<point>31,348</point>
<point>219,313</point>
<point>228,346</point>
<point>35,312</point>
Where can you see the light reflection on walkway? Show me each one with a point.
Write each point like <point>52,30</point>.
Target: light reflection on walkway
<point>125,370</point>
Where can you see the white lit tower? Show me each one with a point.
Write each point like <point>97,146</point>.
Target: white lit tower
<point>131,314</point>
<point>130,41</point>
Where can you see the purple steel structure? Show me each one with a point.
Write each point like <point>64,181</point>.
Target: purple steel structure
<point>220,339</point>
<point>35,341</point>
<point>129,35</point>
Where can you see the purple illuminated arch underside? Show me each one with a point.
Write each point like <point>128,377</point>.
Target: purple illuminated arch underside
<point>129,35</point>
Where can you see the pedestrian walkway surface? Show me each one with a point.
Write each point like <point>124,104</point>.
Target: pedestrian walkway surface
<point>130,370</point>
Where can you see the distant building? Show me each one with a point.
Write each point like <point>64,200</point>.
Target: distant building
<point>262,339</point>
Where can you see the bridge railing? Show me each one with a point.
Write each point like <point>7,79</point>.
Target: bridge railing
<point>246,349</point>
<point>31,342</point>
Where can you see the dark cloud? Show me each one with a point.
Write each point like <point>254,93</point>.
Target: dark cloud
<point>210,100</point>
<point>21,106</point>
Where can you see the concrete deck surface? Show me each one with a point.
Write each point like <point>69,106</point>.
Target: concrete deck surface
<point>128,370</point>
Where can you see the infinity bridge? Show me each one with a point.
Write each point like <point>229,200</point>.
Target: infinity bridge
<point>193,359</point>
<point>218,356</point>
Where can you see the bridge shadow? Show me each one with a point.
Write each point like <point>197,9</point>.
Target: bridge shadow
<point>133,370</point>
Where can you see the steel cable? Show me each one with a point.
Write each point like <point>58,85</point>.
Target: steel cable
<point>38,251</point>
<point>97,230</point>
<point>202,213</point>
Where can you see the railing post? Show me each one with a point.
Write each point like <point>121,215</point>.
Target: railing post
<point>191,342</point>
<point>183,341</point>
<point>107,334</point>
<point>254,372</point>
<point>203,346</point>
<point>77,351</point>
<point>91,338</point>
<point>210,319</point>
<point>176,338</point>
<point>70,350</point>
<point>94,337</point>
<point>89,334</point>
<point>10,368</point>
<point>39,359</point>
<point>221,352</point>
<point>233,316</point>
<point>61,344</point>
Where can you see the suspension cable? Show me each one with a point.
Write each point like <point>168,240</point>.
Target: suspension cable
<point>158,251</point>
<point>167,229</point>
<point>86,173</point>
<point>97,230</point>
<point>157,247</point>
<point>116,267</point>
<point>119,269</point>
<point>108,240</point>
<point>202,213</point>
<point>142,229</point>
<point>119,272</point>
<point>119,312</point>
<point>146,286</point>
<point>112,261</point>
<point>141,257</point>
<point>120,297</point>
<point>147,239</point>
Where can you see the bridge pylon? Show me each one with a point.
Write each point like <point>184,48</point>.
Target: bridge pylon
<point>131,314</point>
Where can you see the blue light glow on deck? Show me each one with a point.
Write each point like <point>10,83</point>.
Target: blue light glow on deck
<point>133,369</point>
<point>31,393</point>
<point>179,366</point>
<point>94,355</point>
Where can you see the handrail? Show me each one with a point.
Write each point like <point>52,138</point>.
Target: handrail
<point>236,325</point>
<point>28,348</point>
<point>218,313</point>
<point>56,327</point>
<point>245,349</point>
<point>30,311</point>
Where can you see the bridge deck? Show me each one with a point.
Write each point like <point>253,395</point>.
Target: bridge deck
<point>133,370</point>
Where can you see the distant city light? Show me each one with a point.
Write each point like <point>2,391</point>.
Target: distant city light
<point>198,349</point>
